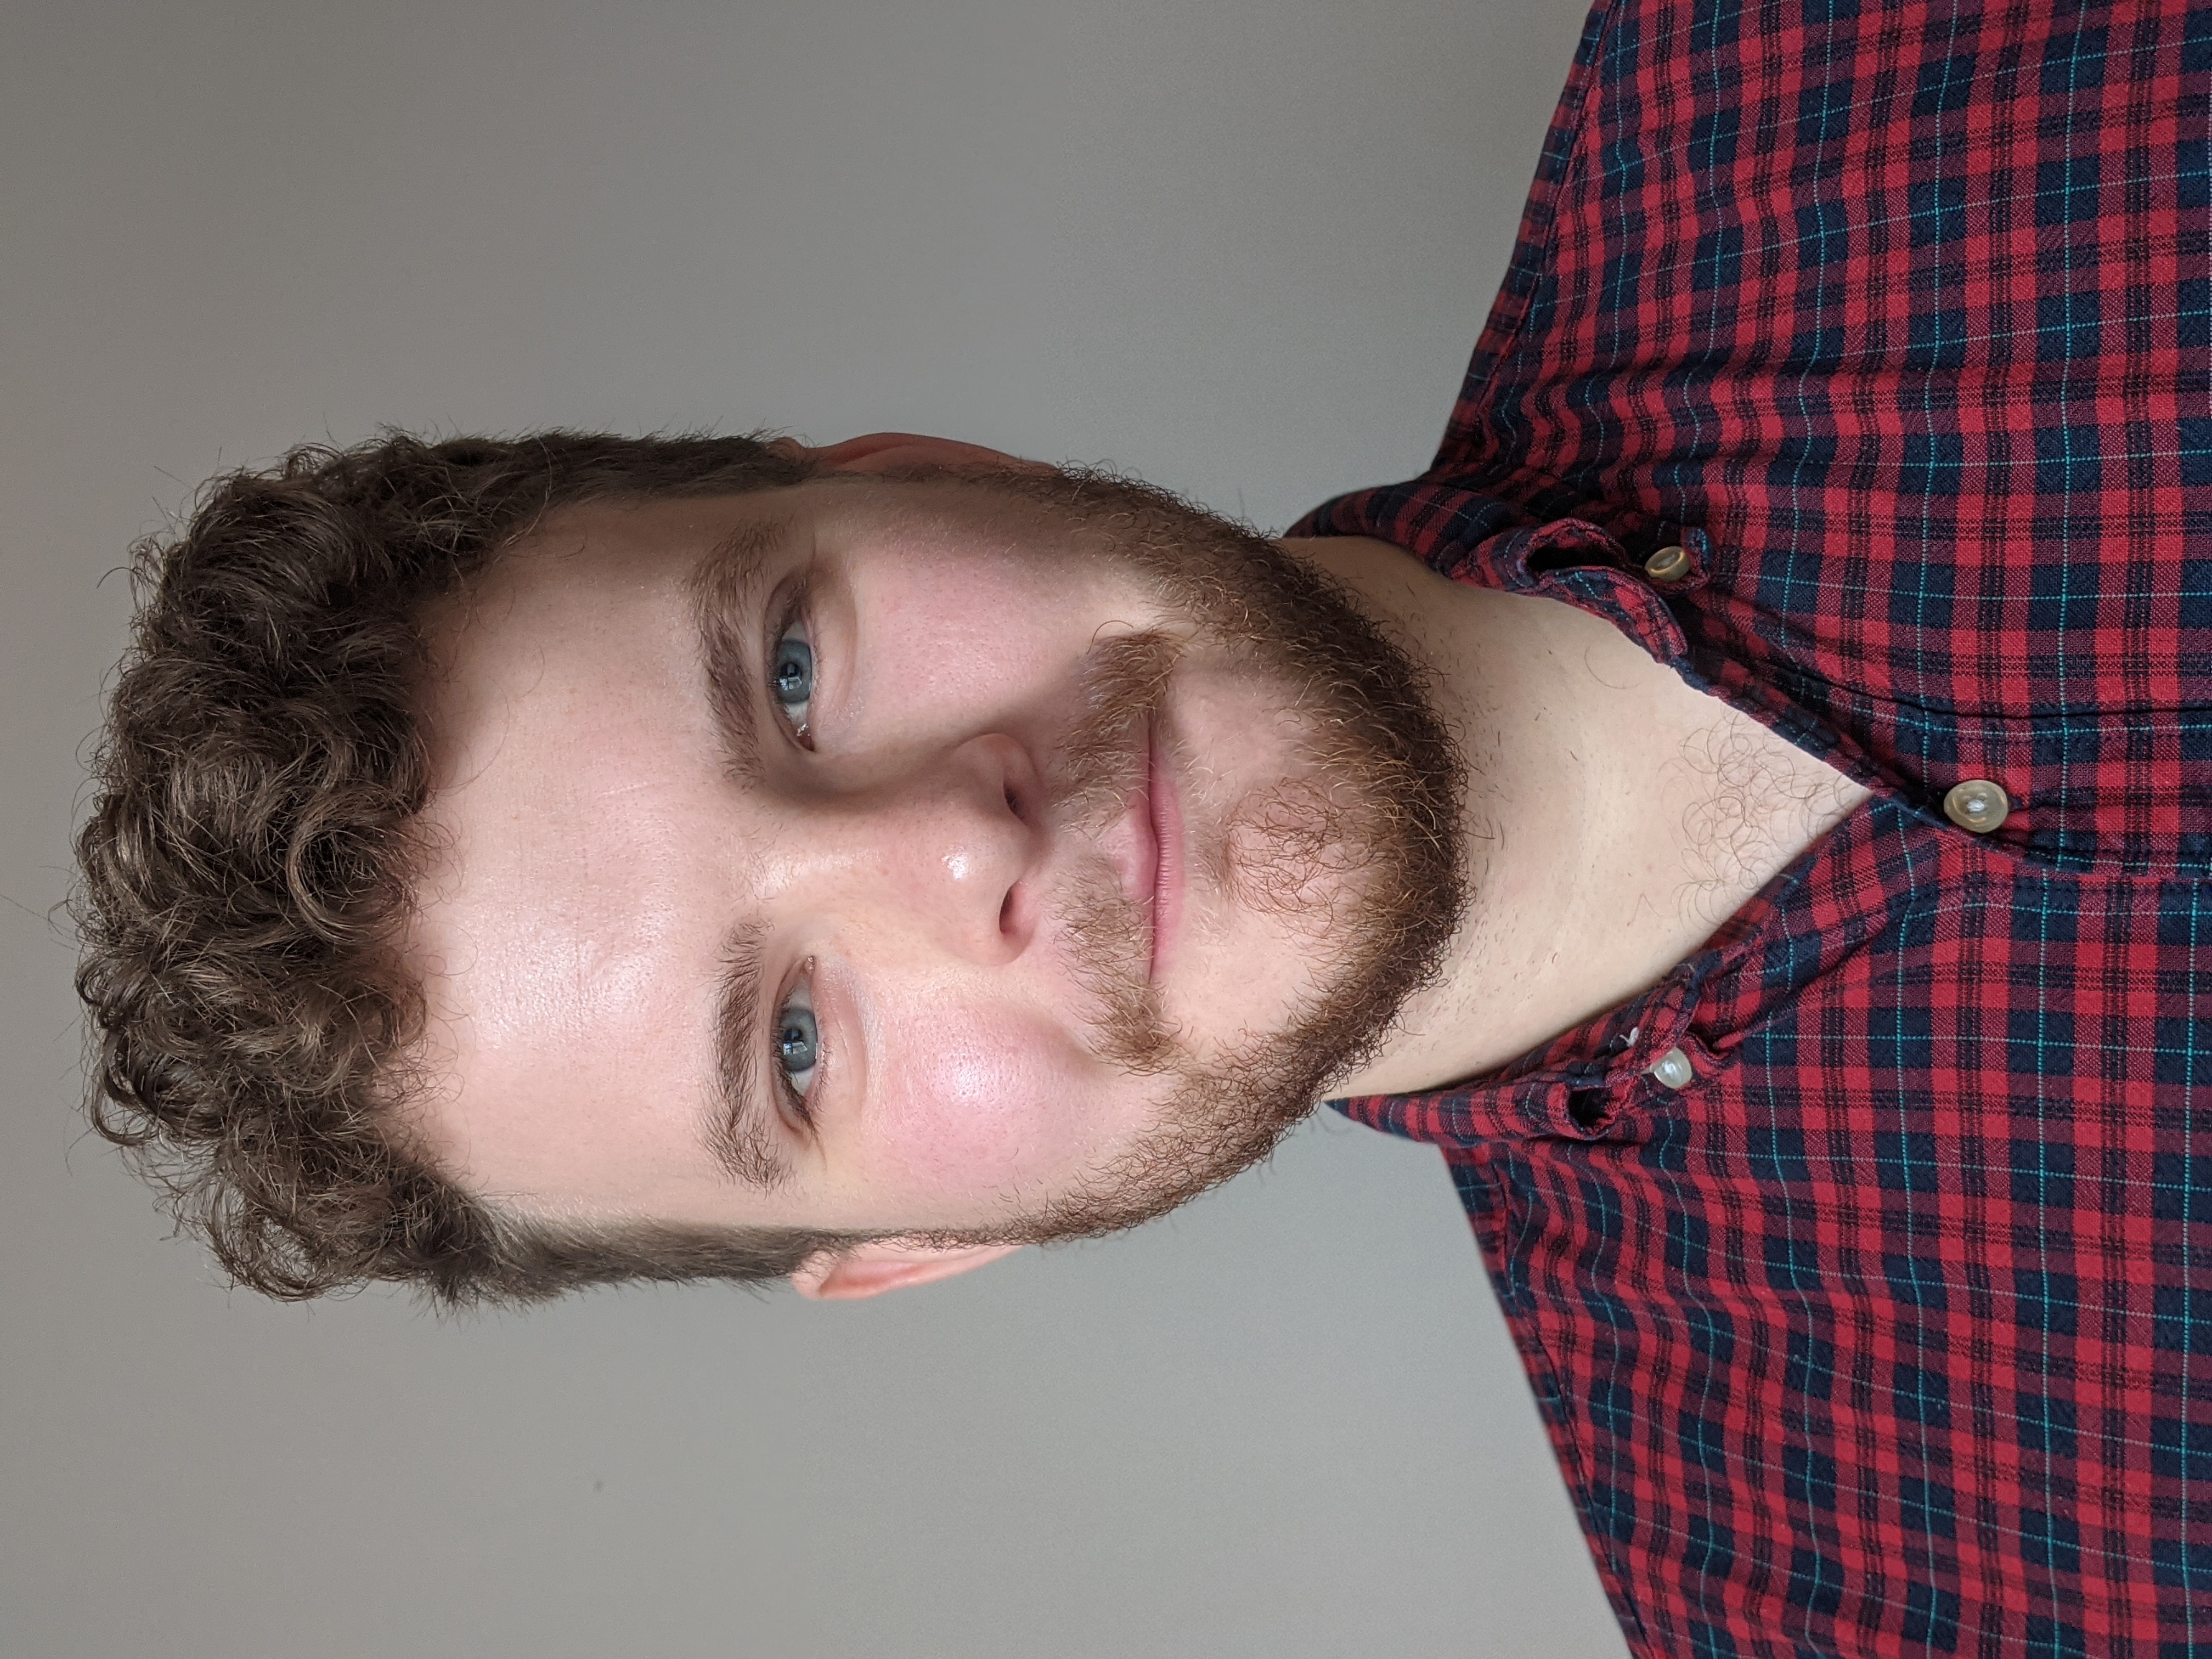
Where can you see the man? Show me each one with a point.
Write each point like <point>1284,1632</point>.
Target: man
<point>1761,835</point>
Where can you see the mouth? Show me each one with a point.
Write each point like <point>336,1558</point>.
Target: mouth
<point>1134,846</point>
<point>1162,814</point>
<point>1145,845</point>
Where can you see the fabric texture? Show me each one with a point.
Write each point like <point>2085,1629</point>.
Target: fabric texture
<point>1891,1332</point>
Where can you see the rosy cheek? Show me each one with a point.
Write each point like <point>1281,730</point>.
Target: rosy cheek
<point>975,1103</point>
<point>971,633</point>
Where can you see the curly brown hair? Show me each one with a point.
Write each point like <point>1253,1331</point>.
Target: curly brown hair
<point>245,867</point>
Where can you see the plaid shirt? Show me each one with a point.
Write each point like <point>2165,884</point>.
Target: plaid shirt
<point>1879,1321</point>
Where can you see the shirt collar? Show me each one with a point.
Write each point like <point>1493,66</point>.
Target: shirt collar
<point>1473,538</point>
<point>1594,1082</point>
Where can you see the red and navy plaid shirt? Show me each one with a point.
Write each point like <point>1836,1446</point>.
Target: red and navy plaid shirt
<point>1890,1330</point>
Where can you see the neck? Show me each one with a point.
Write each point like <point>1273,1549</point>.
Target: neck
<point>1615,815</point>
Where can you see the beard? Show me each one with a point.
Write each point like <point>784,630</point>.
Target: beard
<point>1355,851</point>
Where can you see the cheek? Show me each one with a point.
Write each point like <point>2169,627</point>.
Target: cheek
<point>975,1101</point>
<point>969,635</point>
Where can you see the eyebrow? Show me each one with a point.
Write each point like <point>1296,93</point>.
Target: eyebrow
<point>737,1131</point>
<point>725,591</point>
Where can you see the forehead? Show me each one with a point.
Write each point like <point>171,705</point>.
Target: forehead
<point>630,550</point>
<point>559,925</point>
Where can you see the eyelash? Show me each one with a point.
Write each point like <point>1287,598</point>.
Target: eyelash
<point>800,1104</point>
<point>789,620</point>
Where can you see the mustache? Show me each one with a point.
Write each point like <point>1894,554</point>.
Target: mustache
<point>1124,681</point>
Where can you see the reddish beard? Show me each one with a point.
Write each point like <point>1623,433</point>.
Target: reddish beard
<point>1355,849</point>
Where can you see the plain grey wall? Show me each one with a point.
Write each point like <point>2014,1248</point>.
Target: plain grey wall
<point>1242,246</point>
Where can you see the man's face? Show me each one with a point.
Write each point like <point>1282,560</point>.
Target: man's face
<point>969,856</point>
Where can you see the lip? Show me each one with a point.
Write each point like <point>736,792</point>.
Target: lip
<point>1137,852</point>
<point>1164,820</point>
<point>1145,845</point>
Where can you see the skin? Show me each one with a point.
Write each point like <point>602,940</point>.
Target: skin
<point>591,851</point>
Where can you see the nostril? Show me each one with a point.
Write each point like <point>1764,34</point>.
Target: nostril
<point>1006,912</point>
<point>1012,806</point>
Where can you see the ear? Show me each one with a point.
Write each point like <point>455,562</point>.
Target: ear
<point>871,1269</point>
<point>880,452</point>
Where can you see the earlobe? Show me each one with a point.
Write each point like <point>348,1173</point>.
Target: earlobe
<point>871,1269</point>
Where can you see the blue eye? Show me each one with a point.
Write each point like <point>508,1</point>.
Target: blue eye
<point>791,676</point>
<point>797,1045</point>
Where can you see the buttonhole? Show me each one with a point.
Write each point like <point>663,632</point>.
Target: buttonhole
<point>1588,1106</point>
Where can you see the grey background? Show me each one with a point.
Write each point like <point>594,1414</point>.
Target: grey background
<point>1241,246</point>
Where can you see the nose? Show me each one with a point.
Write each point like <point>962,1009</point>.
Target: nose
<point>948,848</point>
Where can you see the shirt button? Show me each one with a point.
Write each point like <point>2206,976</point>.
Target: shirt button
<point>1672,1070</point>
<point>1976,805</point>
<point>1668,564</point>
